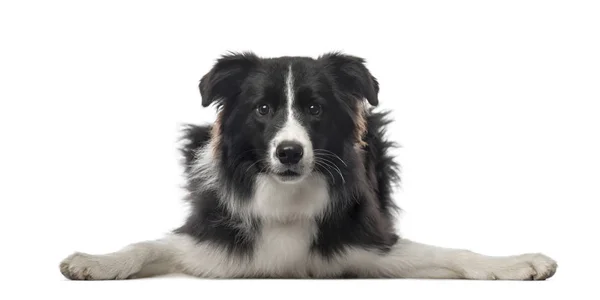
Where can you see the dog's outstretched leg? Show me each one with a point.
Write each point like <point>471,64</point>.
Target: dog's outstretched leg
<point>175,253</point>
<point>143,259</point>
<point>409,259</point>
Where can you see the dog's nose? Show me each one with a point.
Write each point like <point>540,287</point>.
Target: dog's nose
<point>289,152</point>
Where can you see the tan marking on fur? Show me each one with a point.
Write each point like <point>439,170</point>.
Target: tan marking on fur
<point>361,126</point>
<point>215,135</point>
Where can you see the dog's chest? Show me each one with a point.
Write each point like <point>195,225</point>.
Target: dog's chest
<point>288,227</point>
<point>283,248</point>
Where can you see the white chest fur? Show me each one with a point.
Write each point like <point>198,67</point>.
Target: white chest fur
<point>288,228</point>
<point>274,200</point>
<point>284,248</point>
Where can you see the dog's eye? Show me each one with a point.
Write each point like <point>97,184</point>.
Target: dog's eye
<point>263,109</point>
<point>314,109</point>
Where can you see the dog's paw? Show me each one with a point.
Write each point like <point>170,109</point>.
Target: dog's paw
<point>533,266</point>
<point>81,266</point>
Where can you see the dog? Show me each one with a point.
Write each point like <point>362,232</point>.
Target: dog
<point>294,179</point>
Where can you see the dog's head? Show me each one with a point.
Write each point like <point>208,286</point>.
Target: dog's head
<point>289,116</point>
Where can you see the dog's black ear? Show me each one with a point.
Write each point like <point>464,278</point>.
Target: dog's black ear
<point>352,75</point>
<point>224,80</point>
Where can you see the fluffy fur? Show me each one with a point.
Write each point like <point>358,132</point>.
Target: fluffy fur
<point>293,180</point>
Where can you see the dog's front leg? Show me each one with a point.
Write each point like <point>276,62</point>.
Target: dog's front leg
<point>409,259</point>
<point>131,261</point>
<point>175,253</point>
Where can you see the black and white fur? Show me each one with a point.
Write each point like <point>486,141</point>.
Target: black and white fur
<point>323,209</point>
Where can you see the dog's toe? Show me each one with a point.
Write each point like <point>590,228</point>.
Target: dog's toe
<point>544,266</point>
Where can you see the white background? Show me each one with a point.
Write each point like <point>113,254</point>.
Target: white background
<point>496,106</point>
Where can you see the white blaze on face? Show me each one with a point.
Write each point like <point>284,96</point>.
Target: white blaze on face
<point>292,130</point>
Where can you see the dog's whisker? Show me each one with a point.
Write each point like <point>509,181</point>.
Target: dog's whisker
<point>327,152</point>
<point>318,163</point>
<point>240,156</point>
<point>256,162</point>
<point>325,159</point>
<point>336,168</point>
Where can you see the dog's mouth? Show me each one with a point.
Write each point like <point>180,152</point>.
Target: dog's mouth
<point>288,173</point>
<point>288,176</point>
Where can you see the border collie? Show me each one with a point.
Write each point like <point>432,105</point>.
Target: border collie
<point>294,179</point>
